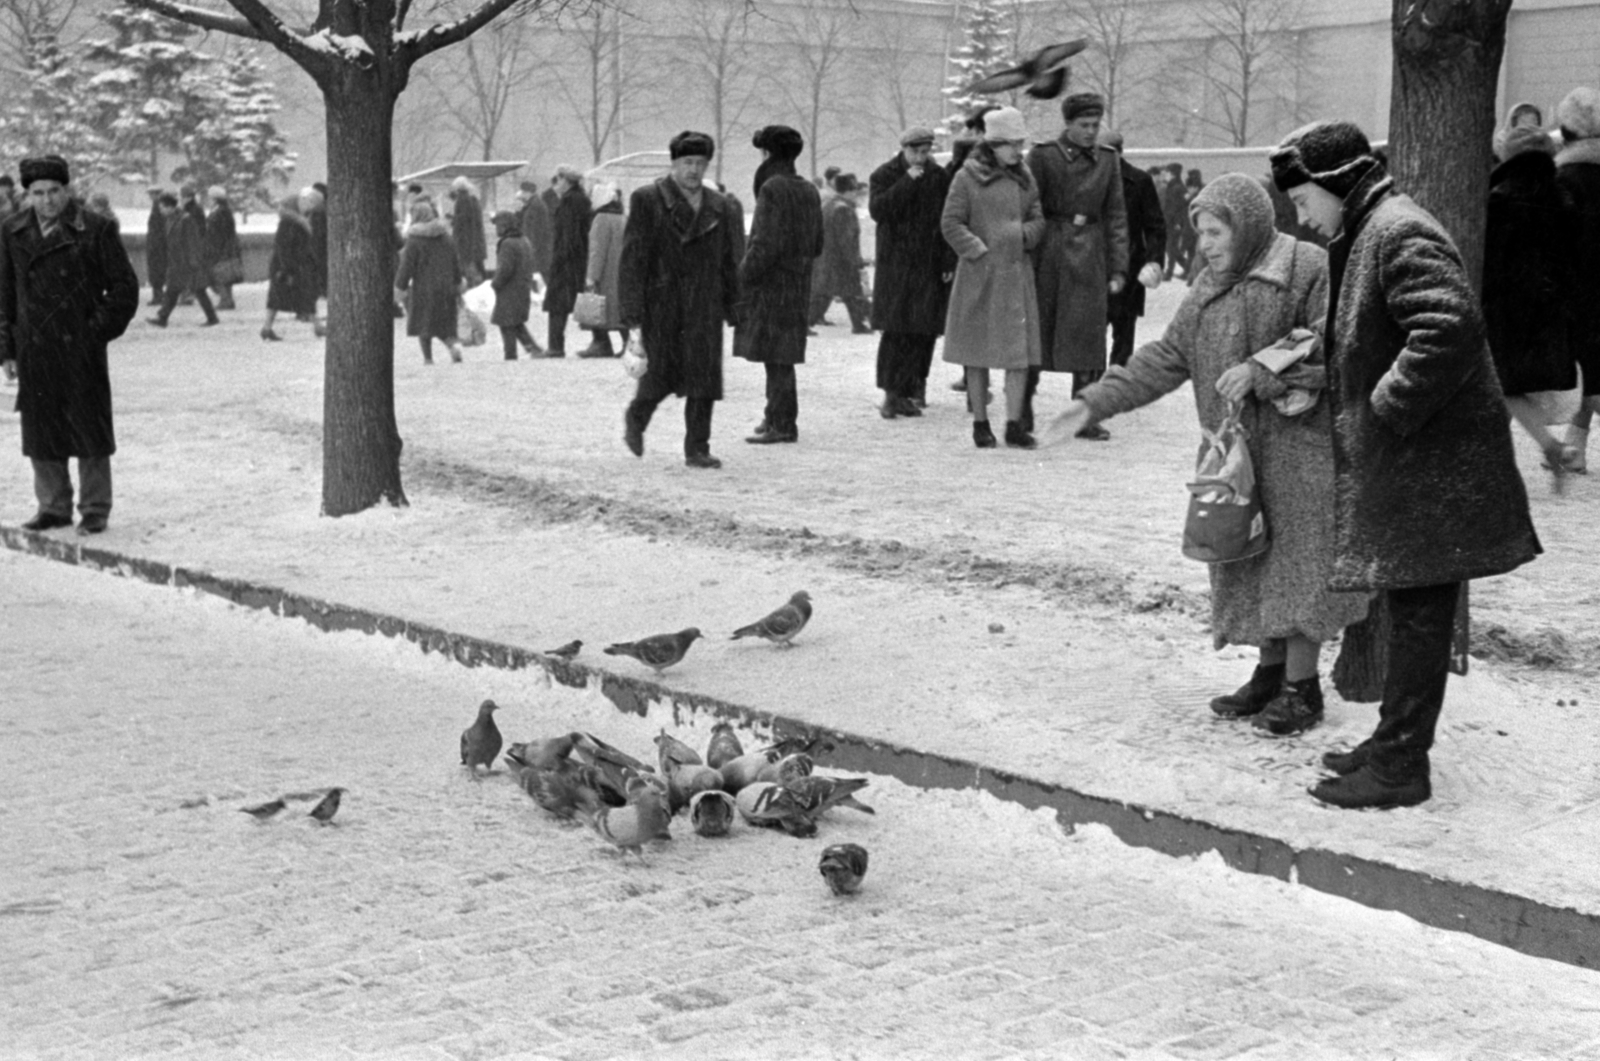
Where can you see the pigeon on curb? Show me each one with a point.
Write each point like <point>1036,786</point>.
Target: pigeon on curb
<point>843,866</point>
<point>1045,72</point>
<point>262,811</point>
<point>480,742</point>
<point>774,806</point>
<point>724,745</point>
<point>566,651</point>
<point>328,806</point>
<point>711,812</point>
<point>659,651</point>
<point>817,793</point>
<point>781,626</point>
<point>629,828</point>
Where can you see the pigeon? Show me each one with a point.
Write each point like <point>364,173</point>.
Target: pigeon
<point>1045,73</point>
<point>645,818</point>
<point>262,811</point>
<point>787,769</point>
<point>613,766</point>
<point>547,754</point>
<point>843,866</point>
<point>328,807</point>
<point>566,651</point>
<point>480,742</point>
<point>816,793</point>
<point>761,765</point>
<point>567,789</point>
<point>658,652</point>
<point>724,745</point>
<point>781,626</point>
<point>774,806</point>
<point>673,752</point>
<point>711,812</point>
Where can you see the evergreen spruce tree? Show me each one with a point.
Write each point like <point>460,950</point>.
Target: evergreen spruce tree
<point>988,47</point>
<point>150,89</point>
<point>237,143</point>
<point>53,115</point>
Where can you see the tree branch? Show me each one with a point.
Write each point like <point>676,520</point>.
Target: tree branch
<point>255,22</point>
<point>413,46</point>
<point>195,16</point>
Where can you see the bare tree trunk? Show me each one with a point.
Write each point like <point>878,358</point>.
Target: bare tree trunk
<point>360,439</point>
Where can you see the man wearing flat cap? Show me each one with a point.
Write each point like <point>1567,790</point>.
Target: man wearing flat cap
<point>911,285</point>
<point>679,283</point>
<point>1083,258</point>
<point>66,290</point>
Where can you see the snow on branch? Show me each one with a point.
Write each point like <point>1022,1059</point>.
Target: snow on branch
<point>255,21</point>
<point>414,44</point>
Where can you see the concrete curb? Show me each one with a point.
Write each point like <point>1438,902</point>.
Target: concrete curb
<point>1503,918</point>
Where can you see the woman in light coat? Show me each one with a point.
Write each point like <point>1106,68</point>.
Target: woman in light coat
<point>605,267</point>
<point>429,281</point>
<point>1257,285</point>
<point>992,219</point>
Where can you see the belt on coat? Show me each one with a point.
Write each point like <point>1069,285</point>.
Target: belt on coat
<point>1076,220</point>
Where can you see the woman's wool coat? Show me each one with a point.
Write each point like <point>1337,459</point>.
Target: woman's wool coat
<point>1528,265</point>
<point>605,260</point>
<point>839,267</point>
<point>512,281</point>
<point>569,254</point>
<point>1578,173</point>
<point>680,284</point>
<point>775,273</point>
<point>466,228</point>
<point>430,270</point>
<point>63,298</point>
<point>992,220</point>
<point>1427,489</point>
<point>909,292</point>
<point>292,272</point>
<point>1283,591</point>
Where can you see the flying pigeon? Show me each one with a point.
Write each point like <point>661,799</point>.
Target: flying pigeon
<point>263,811</point>
<point>816,793</point>
<point>774,806</point>
<point>781,626</point>
<point>328,807</point>
<point>843,866</point>
<point>566,651</point>
<point>480,742</point>
<point>645,818</point>
<point>724,745</point>
<point>658,652</point>
<point>1045,73</point>
<point>711,812</point>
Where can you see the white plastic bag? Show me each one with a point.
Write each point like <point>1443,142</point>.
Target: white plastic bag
<point>480,299</point>
<point>634,361</point>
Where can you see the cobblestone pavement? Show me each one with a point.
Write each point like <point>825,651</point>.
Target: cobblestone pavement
<point>141,915</point>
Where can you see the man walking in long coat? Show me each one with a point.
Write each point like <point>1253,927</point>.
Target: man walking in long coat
<point>155,248</point>
<point>839,270</point>
<point>775,278</point>
<point>66,290</point>
<point>680,264</point>
<point>187,271</point>
<point>914,265</point>
<point>1147,242</point>
<point>1083,257</point>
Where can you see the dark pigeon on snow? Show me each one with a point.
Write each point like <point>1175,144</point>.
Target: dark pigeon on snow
<point>658,652</point>
<point>480,742</point>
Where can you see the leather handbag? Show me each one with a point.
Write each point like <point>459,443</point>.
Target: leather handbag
<point>590,310</point>
<point>1226,522</point>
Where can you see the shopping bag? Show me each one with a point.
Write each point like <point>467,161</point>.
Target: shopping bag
<point>480,299</point>
<point>1225,521</point>
<point>590,310</point>
<point>470,328</point>
<point>634,361</point>
<point>228,271</point>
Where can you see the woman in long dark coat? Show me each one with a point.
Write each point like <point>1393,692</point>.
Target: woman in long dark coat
<point>569,256</point>
<point>1528,265</point>
<point>466,228</point>
<point>775,278</point>
<point>431,273</point>
<point>222,247</point>
<point>512,283</point>
<point>292,273</point>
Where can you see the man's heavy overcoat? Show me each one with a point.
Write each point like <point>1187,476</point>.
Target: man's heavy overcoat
<point>775,273</point>
<point>909,292</point>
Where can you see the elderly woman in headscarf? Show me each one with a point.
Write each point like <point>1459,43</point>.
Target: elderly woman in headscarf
<point>605,267</point>
<point>1256,288</point>
<point>429,281</point>
<point>512,283</point>
<point>466,229</point>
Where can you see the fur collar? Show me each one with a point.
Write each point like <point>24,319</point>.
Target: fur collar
<point>1587,150</point>
<point>1372,188</point>
<point>986,172</point>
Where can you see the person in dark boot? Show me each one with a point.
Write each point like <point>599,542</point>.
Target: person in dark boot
<point>1427,492</point>
<point>775,278</point>
<point>839,271</point>
<point>187,272</point>
<point>569,256</point>
<point>513,275</point>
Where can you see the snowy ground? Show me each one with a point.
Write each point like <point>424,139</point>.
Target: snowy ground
<point>1028,611</point>
<point>445,917</point>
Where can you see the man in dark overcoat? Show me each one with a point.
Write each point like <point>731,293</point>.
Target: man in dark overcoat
<point>66,290</point>
<point>187,272</point>
<point>775,278</point>
<point>569,256</point>
<point>1083,258</point>
<point>1175,211</point>
<point>680,282</point>
<point>839,269</point>
<point>1426,489</point>
<point>155,248</point>
<point>1147,244</point>
<point>534,221</point>
<point>914,264</point>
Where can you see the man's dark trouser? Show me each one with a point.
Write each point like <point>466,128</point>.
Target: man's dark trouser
<point>696,415</point>
<point>783,399</point>
<point>1122,325</point>
<point>903,361</point>
<point>1422,620</point>
<point>556,337</point>
<point>52,484</point>
<point>857,304</point>
<point>514,335</point>
<point>200,296</point>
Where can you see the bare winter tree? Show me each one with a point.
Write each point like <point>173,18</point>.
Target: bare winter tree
<point>1251,58</point>
<point>605,79</point>
<point>815,36</point>
<point>24,23</point>
<point>901,64</point>
<point>475,86</point>
<point>360,53</point>
<point>1113,65</point>
<point>715,42</point>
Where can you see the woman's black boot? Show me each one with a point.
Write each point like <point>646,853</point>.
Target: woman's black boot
<point>1253,696</point>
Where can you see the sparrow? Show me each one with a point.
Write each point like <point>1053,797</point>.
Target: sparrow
<point>262,811</point>
<point>645,818</point>
<point>711,812</point>
<point>480,742</point>
<point>566,651</point>
<point>724,745</point>
<point>774,806</point>
<point>658,652</point>
<point>781,626</point>
<point>843,866</point>
<point>328,807</point>
<point>816,793</point>
<point>1045,73</point>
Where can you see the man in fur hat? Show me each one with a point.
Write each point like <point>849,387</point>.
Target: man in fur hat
<point>1083,258</point>
<point>66,290</point>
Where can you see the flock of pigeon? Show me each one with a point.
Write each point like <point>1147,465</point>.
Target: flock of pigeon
<point>578,776</point>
